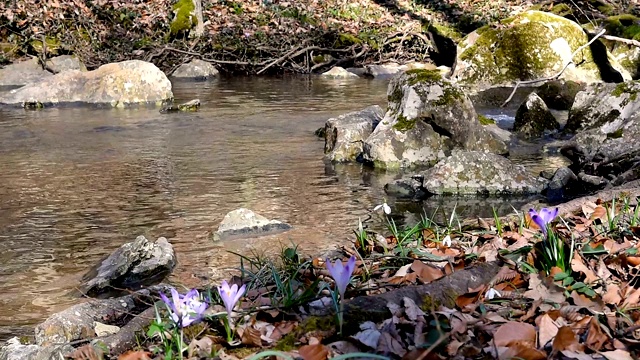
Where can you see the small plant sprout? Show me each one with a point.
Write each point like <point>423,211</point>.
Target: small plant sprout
<point>446,241</point>
<point>230,296</point>
<point>361,236</point>
<point>341,274</point>
<point>384,206</point>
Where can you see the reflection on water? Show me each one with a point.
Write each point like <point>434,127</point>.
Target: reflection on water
<point>77,183</point>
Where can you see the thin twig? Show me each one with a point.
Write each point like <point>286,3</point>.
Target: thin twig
<point>553,77</point>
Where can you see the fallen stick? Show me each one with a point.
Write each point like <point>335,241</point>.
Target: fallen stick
<point>553,77</point>
<point>622,40</point>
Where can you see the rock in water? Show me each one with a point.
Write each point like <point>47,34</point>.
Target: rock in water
<point>345,135</point>
<point>117,84</point>
<point>337,72</point>
<point>14,350</point>
<point>427,117</point>
<point>559,94</point>
<point>477,173</point>
<point>196,69</point>
<point>245,223</point>
<point>133,265</point>
<point>22,73</point>
<point>530,45</point>
<point>533,118</point>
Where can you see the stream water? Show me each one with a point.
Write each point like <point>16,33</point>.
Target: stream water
<point>76,183</point>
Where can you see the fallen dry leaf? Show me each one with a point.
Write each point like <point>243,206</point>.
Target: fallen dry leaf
<point>540,288</point>
<point>515,331</point>
<point>578,265</point>
<point>135,355</point>
<point>596,338</point>
<point>314,352</point>
<point>566,339</point>
<point>548,330</point>
<point>617,355</point>
<point>426,273</point>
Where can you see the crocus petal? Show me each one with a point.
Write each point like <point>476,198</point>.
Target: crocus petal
<point>548,215</point>
<point>239,294</point>
<point>176,297</point>
<point>166,300</point>
<point>386,208</point>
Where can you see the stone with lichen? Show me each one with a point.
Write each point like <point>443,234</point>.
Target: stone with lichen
<point>533,118</point>
<point>478,173</point>
<point>427,117</point>
<point>344,135</point>
<point>528,46</point>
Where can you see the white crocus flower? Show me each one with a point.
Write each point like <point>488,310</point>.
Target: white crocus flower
<point>384,207</point>
<point>446,241</point>
<point>491,293</point>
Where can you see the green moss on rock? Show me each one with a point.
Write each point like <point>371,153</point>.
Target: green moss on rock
<point>403,124</point>
<point>485,120</point>
<point>561,10</point>
<point>185,18</point>
<point>424,75</point>
<point>626,26</point>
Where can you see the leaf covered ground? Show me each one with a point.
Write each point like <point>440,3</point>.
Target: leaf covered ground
<point>589,310</point>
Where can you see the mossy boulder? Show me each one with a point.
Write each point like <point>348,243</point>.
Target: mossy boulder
<point>184,18</point>
<point>427,117</point>
<point>117,84</point>
<point>627,55</point>
<point>345,134</point>
<point>528,46</point>
<point>479,173</point>
<point>533,118</point>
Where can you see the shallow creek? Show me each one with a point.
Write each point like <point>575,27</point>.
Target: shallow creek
<point>76,183</point>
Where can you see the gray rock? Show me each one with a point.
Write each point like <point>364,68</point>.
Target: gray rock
<point>407,187</point>
<point>78,321</point>
<point>383,71</point>
<point>337,72</point>
<point>427,118</point>
<point>345,135</point>
<point>14,350</point>
<point>533,118</point>
<point>132,265</point>
<point>357,71</point>
<point>104,329</point>
<point>478,173</point>
<point>118,84</point>
<point>22,73</point>
<point>604,106</point>
<point>559,94</point>
<point>529,45</point>
<point>196,69</point>
<point>245,223</point>
<point>560,184</point>
<point>65,62</point>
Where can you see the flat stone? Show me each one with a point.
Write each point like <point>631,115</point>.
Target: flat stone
<point>22,73</point>
<point>337,72</point>
<point>196,69</point>
<point>245,223</point>
<point>104,329</point>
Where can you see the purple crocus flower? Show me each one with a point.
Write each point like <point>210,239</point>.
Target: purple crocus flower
<point>543,218</point>
<point>230,295</point>
<point>185,309</point>
<point>341,274</point>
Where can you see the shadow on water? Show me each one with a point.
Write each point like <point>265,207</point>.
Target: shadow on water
<point>79,182</point>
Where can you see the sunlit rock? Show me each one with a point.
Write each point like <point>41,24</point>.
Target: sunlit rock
<point>337,72</point>
<point>117,84</point>
<point>345,134</point>
<point>245,223</point>
<point>196,69</point>
<point>533,118</point>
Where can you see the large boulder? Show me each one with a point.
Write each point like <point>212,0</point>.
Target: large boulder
<point>22,73</point>
<point>559,94</point>
<point>479,173</point>
<point>345,135</point>
<point>132,265</point>
<point>196,69</point>
<point>117,84</point>
<point>533,118</point>
<point>626,54</point>
<point>13,349</point>
<point>246,223</point>
<point>531,45</point>
<point>604,106</point>
<point>427,118</point>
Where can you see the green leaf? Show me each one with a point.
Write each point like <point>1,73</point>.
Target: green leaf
<point>632,251</point>
<point>567,281</point>
<point>578,285</point>
<point>588,250</point>
<point>588,291</point>
<point>154,328</point>
<point>560,276</point>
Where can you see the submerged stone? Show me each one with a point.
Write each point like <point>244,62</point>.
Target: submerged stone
<point>337,72</point>
<point>245,223</point>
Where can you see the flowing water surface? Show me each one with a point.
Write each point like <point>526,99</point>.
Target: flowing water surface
<point>76,183</point>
